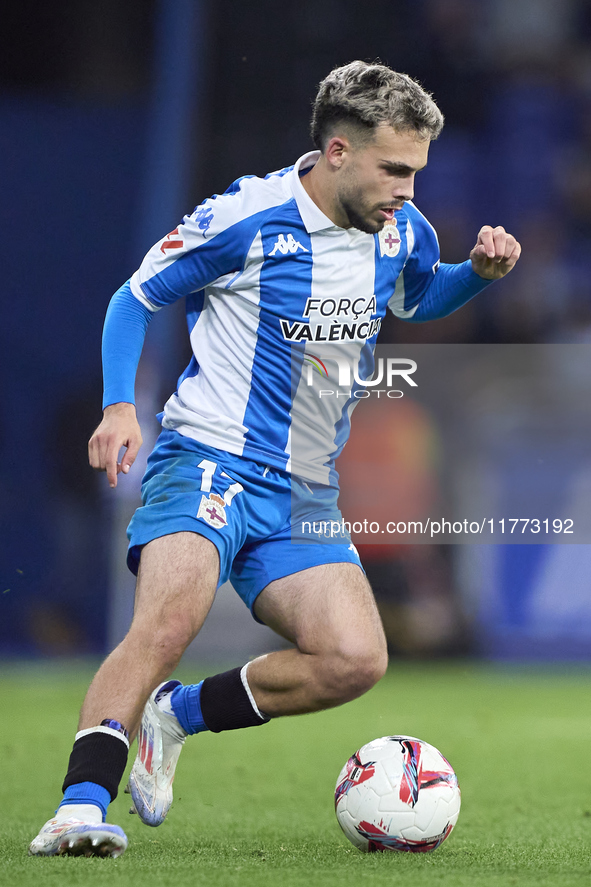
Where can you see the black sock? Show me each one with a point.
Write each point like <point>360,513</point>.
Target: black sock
<point>227,704</point>
<point>98,756</point>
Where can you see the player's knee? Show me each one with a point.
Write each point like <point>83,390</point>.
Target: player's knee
<point>348,673</point>
<point>165,644</point>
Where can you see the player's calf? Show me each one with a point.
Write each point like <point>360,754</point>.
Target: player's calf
<point>358,673</point>
<point>343,675</point>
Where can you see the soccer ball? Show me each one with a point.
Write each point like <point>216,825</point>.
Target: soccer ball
<point>397,793</point>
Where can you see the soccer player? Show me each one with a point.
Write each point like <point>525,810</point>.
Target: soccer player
<point>272,270</point>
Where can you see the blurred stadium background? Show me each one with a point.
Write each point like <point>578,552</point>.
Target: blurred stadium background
<point>119,117</point>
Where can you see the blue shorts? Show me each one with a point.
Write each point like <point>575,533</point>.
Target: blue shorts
<point>264,522</point>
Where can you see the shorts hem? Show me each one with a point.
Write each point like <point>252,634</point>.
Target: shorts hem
<point>139,540</point>
<point>283,572</point>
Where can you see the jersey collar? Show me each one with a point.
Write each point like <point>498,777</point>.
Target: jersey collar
<point>312,216</point>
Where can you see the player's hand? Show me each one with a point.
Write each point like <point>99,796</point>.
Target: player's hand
<point>495,253</point>
<point>119,428</point>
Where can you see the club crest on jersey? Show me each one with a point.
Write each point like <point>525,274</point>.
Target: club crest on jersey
<point>212,510</point>
<point>289,245</point>
<point>389,238</point>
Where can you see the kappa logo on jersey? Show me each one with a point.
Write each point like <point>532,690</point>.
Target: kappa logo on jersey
<point>389,238</point>
<point>172,241</point>
<point>212,510</point>
<point>291,245</point>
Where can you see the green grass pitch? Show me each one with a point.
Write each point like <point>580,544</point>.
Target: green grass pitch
<point>254,807</point>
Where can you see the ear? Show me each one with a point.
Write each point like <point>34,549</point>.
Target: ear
<point>336,150</point>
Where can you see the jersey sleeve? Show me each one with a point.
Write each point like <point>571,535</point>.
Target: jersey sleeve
<point>123,338</point>
<point>451,287</point>
<point>211,242</point>
<point>428,289</point>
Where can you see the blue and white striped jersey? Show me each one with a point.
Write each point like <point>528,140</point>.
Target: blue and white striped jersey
<point>269,280</point>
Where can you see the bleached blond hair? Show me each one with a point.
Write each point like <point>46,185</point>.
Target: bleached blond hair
<point>363,95</point>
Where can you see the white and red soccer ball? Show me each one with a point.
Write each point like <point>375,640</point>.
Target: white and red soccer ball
<point>397,793</point>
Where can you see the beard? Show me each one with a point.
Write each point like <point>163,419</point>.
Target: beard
<point>357,213</point>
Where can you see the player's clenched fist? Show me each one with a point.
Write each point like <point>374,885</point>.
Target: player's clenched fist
<point>495,253</point>
<point>119,428</point>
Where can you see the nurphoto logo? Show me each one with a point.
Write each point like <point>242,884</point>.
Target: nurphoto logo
<point>387,372</point>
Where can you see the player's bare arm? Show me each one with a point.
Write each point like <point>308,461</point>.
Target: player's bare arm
<point>119,428</point>
<point>495,254</point>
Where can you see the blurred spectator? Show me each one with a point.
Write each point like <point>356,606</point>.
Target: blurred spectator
<point>388,473</point>
<point>533,309</point>
<point>527,33</point>
<point>451,61</point>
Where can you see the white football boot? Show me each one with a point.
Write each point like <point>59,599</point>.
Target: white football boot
<point>160,740</point>
<point>74,837</point>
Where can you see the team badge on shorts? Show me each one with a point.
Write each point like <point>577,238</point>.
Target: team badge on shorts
<point>212,510</point>
<point>389,239</point>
